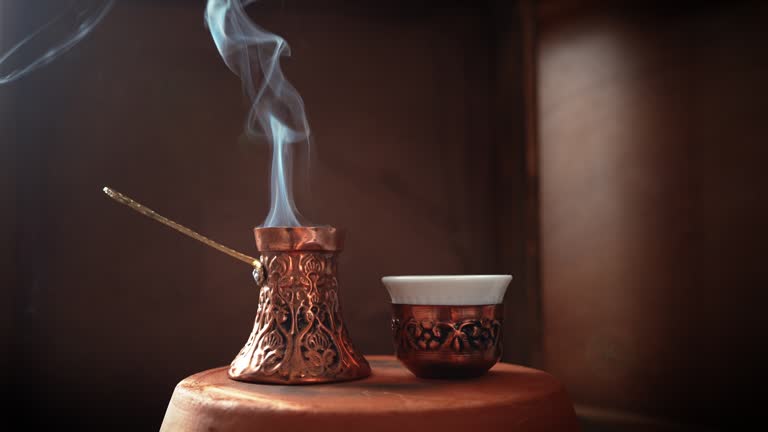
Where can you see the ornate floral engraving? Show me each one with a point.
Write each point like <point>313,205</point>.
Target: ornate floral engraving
<point>298,334</point>
<point>464,336</point>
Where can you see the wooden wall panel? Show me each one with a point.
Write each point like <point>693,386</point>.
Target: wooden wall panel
<point>652,167</point>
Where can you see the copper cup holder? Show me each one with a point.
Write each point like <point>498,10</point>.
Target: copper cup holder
<point>447,341</point>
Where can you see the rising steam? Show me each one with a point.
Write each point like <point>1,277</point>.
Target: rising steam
<point>277,111</point>
<point>47,43</point>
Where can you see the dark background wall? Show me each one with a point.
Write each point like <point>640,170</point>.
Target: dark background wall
<point>416,114</point>
<point>608,154</point>
<point>652,143</point>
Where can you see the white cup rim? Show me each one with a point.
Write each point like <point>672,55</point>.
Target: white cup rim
<point>429,278</point>
<point>447,289</point>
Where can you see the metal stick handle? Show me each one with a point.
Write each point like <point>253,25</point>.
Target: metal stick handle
<point>258,272</point>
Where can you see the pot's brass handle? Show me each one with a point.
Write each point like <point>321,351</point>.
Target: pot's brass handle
<point>258,267</point>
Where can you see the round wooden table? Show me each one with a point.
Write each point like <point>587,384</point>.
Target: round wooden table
<point>508,398</point>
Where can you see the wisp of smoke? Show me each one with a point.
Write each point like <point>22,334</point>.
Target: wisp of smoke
<point>84,15</point>
<point>277,110</point>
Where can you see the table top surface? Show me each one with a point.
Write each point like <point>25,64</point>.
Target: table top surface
<point>390,388</point>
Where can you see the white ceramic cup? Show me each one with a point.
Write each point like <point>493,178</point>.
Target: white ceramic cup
<point>447,326</point>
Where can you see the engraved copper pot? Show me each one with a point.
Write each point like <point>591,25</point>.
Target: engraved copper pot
<point>299,335</point>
